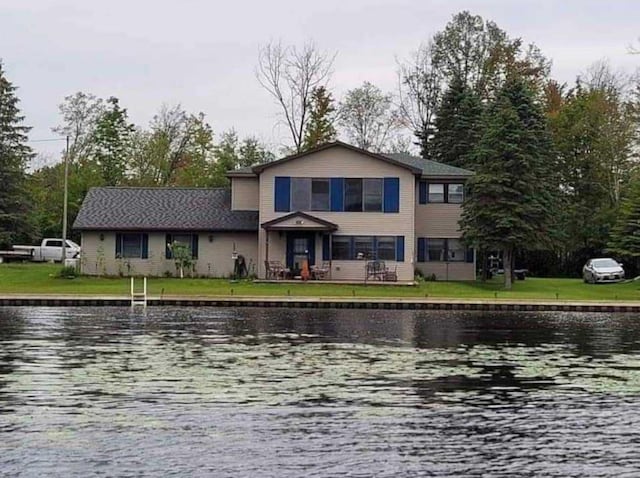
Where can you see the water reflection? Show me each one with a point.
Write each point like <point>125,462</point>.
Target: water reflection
<point>224,392</point>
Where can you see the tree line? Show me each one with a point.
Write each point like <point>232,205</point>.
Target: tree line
<point>556,164</point>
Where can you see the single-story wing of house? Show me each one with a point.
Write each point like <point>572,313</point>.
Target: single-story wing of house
<point>336,207</point>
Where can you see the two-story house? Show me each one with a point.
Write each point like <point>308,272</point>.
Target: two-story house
<point>336,205</point>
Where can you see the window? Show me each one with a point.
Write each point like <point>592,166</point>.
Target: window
<point>189,240</point>
<point>455,193</point>
<point>130,246</point>
<point>455,250</point>
<point>373,194</point>
<point>353,194</point>
<point>349,248</point>
<point>337,194</point>
<point>53,243</point>
<point>320,195</point>
<point>363,247</point>
<point>300,194</point>
<point>443,250</point>
<point>440,193</point>
<point>436,249</point>
<point>386,246</point>
<point>435,192</point>
<point>341,248</point>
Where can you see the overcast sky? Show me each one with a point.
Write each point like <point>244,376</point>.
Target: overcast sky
<point>202,54</point>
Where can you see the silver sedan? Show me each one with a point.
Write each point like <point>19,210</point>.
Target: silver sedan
<point>603,269</point>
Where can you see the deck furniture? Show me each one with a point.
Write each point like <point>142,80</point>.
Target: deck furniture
<point>375,270</point>
<point>391,275</point>
<point>275,270</point>
<point>320,272</point>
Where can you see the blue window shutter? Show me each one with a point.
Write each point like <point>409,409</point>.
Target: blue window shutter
<point>118,246</point>
<point>194,246</point>
<point>422,249</point>
<point>282,191</point>
<point>391,194</point>
<point>337,194</point>
<point>400,248</point>
<point>470,254</point>
<point>145,246</point>
<point>326,248</point>
<point>422,192</point>
<point>167,250</point>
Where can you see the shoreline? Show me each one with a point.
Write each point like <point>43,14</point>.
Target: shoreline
<point>59,300</point>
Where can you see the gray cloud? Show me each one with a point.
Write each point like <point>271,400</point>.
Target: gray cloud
<point>202,54</point>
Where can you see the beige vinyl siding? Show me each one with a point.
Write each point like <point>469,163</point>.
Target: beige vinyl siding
<point>339,162</point>
<point>214,257</point>
<point>438,220</point>
<point>244,194</point>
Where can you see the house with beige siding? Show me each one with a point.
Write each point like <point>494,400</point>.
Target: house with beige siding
<point>337,207</point>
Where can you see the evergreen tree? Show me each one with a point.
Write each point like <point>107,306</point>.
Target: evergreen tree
<point>112,142</point>
<point>509,205</point>
<point>320,129</point>
<point>625,235</point>
<point>14,157</point>
<point>457,125</point>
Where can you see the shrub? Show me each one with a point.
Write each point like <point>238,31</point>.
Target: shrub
<point>68,272</point>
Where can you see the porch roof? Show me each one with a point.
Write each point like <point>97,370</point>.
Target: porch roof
<point>299,221</point>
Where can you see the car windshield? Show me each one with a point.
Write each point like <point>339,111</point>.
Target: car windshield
<point>605,263</point>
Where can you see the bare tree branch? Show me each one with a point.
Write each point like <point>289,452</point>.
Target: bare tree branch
<point>290,75</point>
<point>420,86</point>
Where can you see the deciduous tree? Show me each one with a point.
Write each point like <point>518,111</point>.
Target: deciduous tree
<point>290,74</point>
<point>111,140</point>
<point>421,82</point>
<point>368,117</point>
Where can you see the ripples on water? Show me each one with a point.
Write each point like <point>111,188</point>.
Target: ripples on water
<point>223,392</point>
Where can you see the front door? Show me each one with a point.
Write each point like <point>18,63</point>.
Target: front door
<point>300,246</point>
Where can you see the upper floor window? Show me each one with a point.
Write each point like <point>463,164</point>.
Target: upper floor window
<point>310,194</point>
<point>337,194</point>
<point>440,193</point>
<point>436,192</point>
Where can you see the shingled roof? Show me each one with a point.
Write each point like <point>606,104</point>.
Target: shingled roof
<point>167,209</point>
<point>416,164</point>
<point>428,167</point>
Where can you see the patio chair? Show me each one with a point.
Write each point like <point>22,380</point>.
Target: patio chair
<point>320,272</point>
<point>391,275</point>
<point>376,269</point>
<point>278,270</point>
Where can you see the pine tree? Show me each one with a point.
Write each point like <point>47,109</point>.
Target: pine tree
<point>625,235</point>
<point>457,125</point>
<point>509,205</point>
<point>14,157</point>
<point>320,127</point>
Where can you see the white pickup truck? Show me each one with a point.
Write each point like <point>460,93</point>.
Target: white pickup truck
<point>48,250</point>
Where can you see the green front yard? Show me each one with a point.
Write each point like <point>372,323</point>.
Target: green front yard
<point>41,279</point>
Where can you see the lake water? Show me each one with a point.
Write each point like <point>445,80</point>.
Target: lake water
<point>290,393</point>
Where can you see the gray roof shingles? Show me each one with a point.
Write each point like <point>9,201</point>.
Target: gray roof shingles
<point>429,168</point>
<point>196,209</point>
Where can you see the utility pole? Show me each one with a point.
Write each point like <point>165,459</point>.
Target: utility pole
<point>64,207</point>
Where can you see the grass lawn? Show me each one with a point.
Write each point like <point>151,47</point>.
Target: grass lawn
<point>41,279</point>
